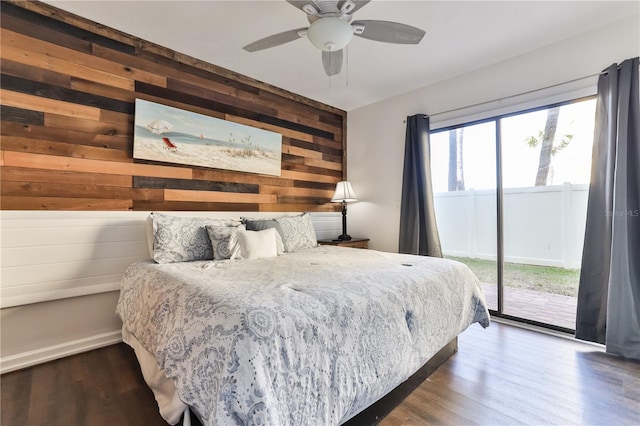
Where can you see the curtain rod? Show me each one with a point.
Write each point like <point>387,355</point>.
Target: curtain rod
<point>513,96</point>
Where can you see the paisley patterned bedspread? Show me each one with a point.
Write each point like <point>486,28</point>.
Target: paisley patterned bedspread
<point>307,338</point>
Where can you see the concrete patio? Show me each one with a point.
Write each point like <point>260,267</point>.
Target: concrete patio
<point>543,307</point>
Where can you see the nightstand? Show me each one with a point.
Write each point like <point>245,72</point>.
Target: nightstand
<point>362,243</point>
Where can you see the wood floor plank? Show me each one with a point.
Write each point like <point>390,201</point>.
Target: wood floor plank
<point>503,375</point>
<point>16,389</point>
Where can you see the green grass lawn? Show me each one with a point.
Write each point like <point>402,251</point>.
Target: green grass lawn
<point>545,279</point>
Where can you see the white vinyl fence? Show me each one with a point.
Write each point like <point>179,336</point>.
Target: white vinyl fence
<point>542,225</point>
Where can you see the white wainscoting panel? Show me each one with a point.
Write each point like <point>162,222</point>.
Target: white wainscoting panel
<point>49,255</point>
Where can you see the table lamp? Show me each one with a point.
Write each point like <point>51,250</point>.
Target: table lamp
<point>344,194</point>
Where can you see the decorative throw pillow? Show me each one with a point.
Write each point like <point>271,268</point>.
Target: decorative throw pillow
<point>223,238</point>
<point>182,239</point>
<point>261,224</point>
<point>149,228</point>
<point>255,244</point>
<point>297,232</point>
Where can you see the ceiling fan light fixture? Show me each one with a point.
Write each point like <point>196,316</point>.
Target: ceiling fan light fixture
<point>330,34</point>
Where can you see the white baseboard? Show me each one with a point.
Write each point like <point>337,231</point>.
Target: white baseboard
<point>50,353</point>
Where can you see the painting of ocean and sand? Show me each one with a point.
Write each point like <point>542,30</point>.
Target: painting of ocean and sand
<point>164,133</point>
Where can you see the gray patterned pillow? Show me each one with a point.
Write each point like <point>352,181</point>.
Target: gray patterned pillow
<point>182,239</point>
<point>297,232</point>
<point>223,238</point>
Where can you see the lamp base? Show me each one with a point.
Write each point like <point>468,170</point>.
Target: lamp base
<point>344,237</point>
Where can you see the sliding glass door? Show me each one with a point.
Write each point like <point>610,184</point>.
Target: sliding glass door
<point>510,196</point>
<point>546,163</point>
<point>463,167</point>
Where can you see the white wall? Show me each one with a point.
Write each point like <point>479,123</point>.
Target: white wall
<point>376,132</point>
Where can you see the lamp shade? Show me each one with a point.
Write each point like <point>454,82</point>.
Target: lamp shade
<point>344,193</point>
<point>330,34</point>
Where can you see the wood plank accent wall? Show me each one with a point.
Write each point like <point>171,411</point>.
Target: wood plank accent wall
<point>67,93</point>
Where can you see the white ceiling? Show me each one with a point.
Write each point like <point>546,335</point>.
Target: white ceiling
<point>460,36</point>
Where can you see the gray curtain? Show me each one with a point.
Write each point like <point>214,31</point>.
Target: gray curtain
<point>609,293</point>
<point>418,229</point>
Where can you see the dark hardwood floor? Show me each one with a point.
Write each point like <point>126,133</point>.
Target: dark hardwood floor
<point>503,375</point>
<point>508,375</point>
<point>96,388</point>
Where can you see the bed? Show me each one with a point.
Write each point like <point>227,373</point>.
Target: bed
<point>308,336</point>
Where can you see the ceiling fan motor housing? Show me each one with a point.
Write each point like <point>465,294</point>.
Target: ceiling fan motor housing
<point>331,6</point>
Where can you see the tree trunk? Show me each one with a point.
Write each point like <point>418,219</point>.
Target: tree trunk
<point>453,161</point>
<point>546,148</point>
<point>456,173</point>
<point>459,164</point>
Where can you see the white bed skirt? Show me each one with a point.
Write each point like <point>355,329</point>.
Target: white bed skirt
<point>164,389</point>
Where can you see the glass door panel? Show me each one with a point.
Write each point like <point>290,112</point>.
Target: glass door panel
<point>463,169</point>
<point>546,163</point>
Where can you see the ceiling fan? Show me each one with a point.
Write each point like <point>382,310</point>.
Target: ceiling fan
<point>332,28</point>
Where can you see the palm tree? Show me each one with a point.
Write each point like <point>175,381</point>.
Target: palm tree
<point>546,139</point>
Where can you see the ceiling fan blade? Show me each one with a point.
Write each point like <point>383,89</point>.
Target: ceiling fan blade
<point>389,32</point>
<point>298,3</point>
<point>359,4</point>
<point>332,62</point>
<point>275,40</point>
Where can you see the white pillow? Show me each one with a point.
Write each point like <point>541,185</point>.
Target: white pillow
<point>254,244</point>
<point>253,224</point>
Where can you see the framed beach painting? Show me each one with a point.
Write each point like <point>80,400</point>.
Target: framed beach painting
<point>172,135</point>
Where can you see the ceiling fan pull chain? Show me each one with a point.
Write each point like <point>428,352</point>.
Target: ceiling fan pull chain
<point>330,77</point>
<point>347,49</point>
<point>331,59</point>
